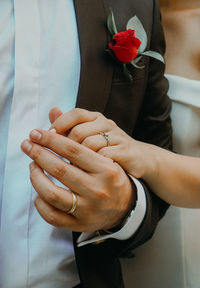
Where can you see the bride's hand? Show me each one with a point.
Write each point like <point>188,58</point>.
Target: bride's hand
<point>103,136</point>
<point>173,177</point>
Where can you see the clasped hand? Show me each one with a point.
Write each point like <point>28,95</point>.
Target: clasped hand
<point>103,190</point>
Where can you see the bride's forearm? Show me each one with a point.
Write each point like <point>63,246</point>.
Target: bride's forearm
<point>174,178</point>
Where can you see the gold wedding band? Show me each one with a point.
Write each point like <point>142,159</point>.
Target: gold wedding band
<point>106,137</point>
<point>74,204</point>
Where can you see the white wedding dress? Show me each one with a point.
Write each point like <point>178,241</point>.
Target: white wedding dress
<point>172,258</point>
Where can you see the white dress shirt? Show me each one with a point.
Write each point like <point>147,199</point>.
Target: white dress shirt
<point>39,69</point>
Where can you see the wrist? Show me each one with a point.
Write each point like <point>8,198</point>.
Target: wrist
<point>152,164</point>
<point>131,204</point>
<point>142,160</point>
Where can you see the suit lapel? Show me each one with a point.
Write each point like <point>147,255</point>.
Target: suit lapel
<point>96,71</point>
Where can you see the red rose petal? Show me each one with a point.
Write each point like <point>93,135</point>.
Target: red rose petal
<point>124,54</point>
<point>137,42</point>
<point>125,46</point>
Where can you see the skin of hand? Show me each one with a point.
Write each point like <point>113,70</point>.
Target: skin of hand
<point>174,178</point>
<point>84,127</point>
<point>104,192</point>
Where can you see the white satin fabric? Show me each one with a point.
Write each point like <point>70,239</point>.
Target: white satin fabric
<point>172,258</point>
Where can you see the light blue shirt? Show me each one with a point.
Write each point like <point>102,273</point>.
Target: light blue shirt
<point>39,69</point>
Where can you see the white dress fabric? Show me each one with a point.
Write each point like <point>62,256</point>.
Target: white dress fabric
<point>172,258</point>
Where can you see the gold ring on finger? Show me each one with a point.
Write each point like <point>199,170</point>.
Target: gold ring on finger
<point>74,204</point>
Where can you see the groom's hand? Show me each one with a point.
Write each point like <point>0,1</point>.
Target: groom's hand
<point>103,190</point>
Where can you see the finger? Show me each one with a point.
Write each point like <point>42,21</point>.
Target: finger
<point>95,142</point>
<point>72,177</point>
<point>112,152</point>
<point>116,153</point>
<point>99,141</point>
<point>54,114</point>
<point>72,118</point>
<point>56,196</point>
<point>76,153</point>
<point>55,217</point>
<point>99,125</point>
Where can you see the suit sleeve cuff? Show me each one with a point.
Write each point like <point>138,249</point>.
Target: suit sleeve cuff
<point>130,227</point>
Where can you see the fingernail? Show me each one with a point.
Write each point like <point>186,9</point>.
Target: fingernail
<point>35,135</point>
<point>53,130</point>
<point>26,146</point>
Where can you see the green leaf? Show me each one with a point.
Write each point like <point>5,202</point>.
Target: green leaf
<point>135,65</point>
<point>135,24</point>
<point>111,23</point>
<point>154,54</point>
<point>136,60</point>
<point>127,74</point>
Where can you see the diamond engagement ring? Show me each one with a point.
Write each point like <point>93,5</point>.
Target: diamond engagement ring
<point>106,136</point>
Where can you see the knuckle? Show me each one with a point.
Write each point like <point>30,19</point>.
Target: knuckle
<point>59,170</point>
<point>98,114</point>
<point>79,112</point>
<point>47,137</point>
<point>100,193</point>
<point>36,153</point>
<point>51,219</point>
<point>75,133</point>
<point>111,123</point>
<point>112,173</point>
<point>73,150</point>
<point>52,195</point>
<point>102,152</point>
<point>88,142</point>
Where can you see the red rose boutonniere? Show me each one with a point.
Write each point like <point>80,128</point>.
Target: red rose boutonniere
<point>128,47</point>
<point>125,46</point>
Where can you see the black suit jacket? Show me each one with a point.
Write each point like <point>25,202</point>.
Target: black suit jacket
<point>141,108</point>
